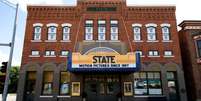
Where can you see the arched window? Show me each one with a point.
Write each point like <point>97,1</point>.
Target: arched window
<point>137,31</point>
<point>37,31</point>
<point>151,31</point>
<point>166,31</point>
<point>114,29</point>
<point>52,31</point>
<point>89,30</point>
<point>66,31</point>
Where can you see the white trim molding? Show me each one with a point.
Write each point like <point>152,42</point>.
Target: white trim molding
<point>192,27</point>
<point>165,25</point>
<point>136,25</point>
<point>52,24</point>
<point>151,25</point>
<point>37,24</point>
<point>66,24</point>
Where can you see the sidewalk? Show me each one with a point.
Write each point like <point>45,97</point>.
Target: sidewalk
<point>10,97</point>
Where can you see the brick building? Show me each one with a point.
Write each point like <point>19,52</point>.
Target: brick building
<point>101,26</point>
<point>190,44</point>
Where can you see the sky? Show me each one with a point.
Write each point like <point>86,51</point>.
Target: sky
<point>186,10</point>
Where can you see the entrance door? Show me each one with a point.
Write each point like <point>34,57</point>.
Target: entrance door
<point>102,88</point>
<point>30,86</point>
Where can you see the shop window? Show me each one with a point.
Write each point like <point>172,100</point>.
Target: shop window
<point>166,33</point>
<point>199,47</point>
<point>172,86</point>
<point>37,32</point>
<point>89,30</point>
<point>65,83</point>
<point>75,88</point>
<point>47,83</point>
<point>147,83</point>
<point>114,29</point>
<point>66,33</point>
<point>52,30</point>
<point>137,34</point>
<point>30,82</point>
<point>101,29</point>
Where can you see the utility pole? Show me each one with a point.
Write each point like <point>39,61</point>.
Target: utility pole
<point>5,91</point>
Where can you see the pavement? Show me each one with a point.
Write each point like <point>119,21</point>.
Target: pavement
<point>10,97</point>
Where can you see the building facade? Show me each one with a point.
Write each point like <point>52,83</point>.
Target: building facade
<point>190,43</point>
<point>101,26</point>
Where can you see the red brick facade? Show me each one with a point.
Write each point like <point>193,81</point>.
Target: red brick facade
<point>126,17</point>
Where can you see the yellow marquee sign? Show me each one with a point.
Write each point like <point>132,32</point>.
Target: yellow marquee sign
<point>101,61</point>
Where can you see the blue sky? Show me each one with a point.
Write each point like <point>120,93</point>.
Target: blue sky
<point>185,10</point>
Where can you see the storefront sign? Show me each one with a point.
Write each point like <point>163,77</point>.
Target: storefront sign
<point>103,61</point>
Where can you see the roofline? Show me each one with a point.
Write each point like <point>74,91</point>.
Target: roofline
<point>190,22</point>
<point>151,5</point>
<point>52,5</point>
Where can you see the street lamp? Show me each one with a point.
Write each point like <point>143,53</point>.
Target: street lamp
<point>15,6</point>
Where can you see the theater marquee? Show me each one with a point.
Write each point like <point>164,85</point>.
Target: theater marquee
<point>103,62</point>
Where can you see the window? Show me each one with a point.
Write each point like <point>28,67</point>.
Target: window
<point>199,47</point>
<point>101,29</point>
<point>37,32</point>
<point>140,52</point>
<point>34,53</point>
<point>66,33</point>
<point>65,83</point>
<point>47,83</point>
<point>64,53</point>
<point>89,30</point>
<point>166,33</point>
<point>172,86</point>
<point>147,83</point>
<point>114,29</point>
<point>153,53</point>
<point>151,33</point>
<point>49,53</point>
<point>128,89</point>
<point>137,35</point>
<point>168,53</point>
<point>52,33</point>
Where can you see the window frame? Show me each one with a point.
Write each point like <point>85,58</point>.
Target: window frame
<point>168,51</point>
<point>147,82</point>
<point>89,26</point>
<point>103,34</point>
<point>34,33</point>
<point>139,33</point>
<point>114,34</point>
<point>44,83</point>
<point>168,33</point>
<point>35,51</point>
<point>64,51</point>
<point>153,53</point>
<point>154,33</point>
<point>50,52</point>
<point>50,33</point>
<point>60,84</point>
<point>66,33</point>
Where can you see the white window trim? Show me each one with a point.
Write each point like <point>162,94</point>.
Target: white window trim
<point>34,55</point>
<point>166,56</point>
<point>50,40</point>
<point>138,41</point>
<point>49,56</point>
<point>66,25</point>
<point>52,24</point>
<point>151,25</point>
<point>36,40</point>
<point>167,40</point>
<point>136,25</point>
<point>113,22</point>
<point>154,56</point>
<point>113,40</point>
<point>88,40</point>
<point>46,96</point>
<point>165,25</point>
<point>152,40</point>
<point>37,24</point>
<point>89,22</point>
<point>64,96</point>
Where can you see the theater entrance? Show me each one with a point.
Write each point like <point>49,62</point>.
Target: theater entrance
<point>102,87</point>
